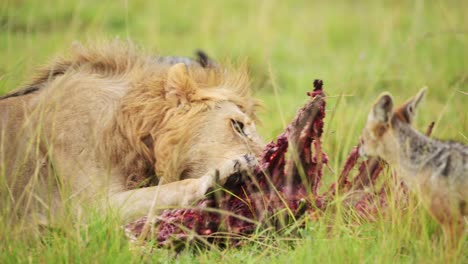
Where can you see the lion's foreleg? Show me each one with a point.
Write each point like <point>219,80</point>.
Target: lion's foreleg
<point>140,202</point>
<point>151,200</point>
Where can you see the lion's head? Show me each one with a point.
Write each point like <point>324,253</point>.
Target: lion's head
<point>188,120</point>
<point>174,121</point>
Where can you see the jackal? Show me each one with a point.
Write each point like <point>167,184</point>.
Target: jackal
<point>436,170</point>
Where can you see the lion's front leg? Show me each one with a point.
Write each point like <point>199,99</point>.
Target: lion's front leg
<point>137,203</point>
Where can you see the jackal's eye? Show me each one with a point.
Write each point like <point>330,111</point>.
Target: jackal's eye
<point>238,127</point>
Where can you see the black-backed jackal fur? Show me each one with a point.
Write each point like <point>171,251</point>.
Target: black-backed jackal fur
<point>436,170</point>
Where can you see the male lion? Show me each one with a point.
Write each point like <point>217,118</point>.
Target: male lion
<point>116,127</point>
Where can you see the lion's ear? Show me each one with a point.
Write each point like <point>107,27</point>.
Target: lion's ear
<point>180,87</point>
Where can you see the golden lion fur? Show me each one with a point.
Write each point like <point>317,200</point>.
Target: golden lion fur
<point>112,109</point>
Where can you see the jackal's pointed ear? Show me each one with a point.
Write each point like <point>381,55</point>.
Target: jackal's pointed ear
<point>180,87</point>
<point>382,110</point>
<point>407,111</point>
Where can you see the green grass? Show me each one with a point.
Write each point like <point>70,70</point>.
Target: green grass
<point>359,49</point>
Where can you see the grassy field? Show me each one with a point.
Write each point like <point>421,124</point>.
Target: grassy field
<point>359,49</point>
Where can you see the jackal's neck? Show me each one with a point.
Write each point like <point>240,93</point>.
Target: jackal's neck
<point>415,149</point>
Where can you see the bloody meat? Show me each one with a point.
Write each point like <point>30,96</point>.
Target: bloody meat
<point>284,186</point>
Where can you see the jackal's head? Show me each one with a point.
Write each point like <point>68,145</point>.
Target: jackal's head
<point>381,133</point>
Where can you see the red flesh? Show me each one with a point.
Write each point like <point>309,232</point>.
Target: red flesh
<point>276,184</point>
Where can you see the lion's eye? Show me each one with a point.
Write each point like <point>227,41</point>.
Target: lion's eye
<point>238,127</point>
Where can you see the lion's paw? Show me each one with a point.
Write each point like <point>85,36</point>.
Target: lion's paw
<point>234,169</point>
<point>246,163</point>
